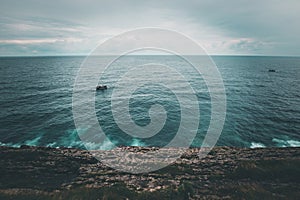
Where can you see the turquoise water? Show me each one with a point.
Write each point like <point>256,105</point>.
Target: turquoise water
<point>263,108</point>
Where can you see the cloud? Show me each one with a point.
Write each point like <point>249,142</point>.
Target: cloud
<point>40,41</point>
<point>222,27</point>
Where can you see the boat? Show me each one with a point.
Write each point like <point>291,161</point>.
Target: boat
<point>272,70</point>
<point>101,87</point>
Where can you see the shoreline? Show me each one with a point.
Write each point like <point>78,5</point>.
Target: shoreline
<point>226,172</point>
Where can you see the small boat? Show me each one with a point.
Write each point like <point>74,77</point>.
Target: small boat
<point>272,70</point>
<point>101,87</point>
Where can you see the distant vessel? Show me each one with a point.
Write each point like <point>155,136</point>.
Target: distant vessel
<point>101,87</point>
<point>272,70</point>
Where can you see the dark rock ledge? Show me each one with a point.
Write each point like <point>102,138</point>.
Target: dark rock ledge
<point>225,173</point>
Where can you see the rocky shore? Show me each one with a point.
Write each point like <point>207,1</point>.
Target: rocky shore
<point>225,173</point>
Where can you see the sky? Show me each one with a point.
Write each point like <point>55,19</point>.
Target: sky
<point>76,27</point>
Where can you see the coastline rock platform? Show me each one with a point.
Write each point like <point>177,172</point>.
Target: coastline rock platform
<point>225,173</point>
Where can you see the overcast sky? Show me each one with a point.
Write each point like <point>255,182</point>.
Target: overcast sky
<point>72,27</point>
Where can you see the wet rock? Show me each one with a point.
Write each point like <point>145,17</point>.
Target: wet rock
<point>224,173</point>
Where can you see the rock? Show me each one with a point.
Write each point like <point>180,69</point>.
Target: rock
<point>222,171</point>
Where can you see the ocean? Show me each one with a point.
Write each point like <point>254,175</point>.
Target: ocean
<point>263,108</point>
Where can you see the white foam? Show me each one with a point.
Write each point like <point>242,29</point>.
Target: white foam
<point>136,143</point>
<point>70,140</point>
<point>286,143</point>
<point>280,143</point>
<point>9,145</point>
<point>33,142</point>
<point>53,144</point>
<point>293,143</point>
<point>257,145</point>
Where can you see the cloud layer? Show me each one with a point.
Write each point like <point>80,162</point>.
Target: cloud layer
<point>71,27</point>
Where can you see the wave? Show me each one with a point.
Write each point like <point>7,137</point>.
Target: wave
<point>71,140</point>
<point>257,145</point>
<point>33,142</point>
<point>2,144</point>
<point>137,143</point>
<point>286,143</point>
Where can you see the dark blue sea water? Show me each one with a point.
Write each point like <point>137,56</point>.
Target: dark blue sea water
<point>263,108</point>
